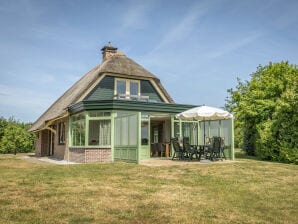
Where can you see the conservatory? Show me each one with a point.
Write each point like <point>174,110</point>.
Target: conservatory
<point>139,135</point>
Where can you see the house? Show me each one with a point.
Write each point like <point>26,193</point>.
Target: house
<point>117,111</point>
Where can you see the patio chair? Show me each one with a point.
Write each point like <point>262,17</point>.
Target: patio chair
<point>189,151</point>
<point>178,152</point>
<point>222,147</point>
<point>215,148</point>
<point>208,149</point>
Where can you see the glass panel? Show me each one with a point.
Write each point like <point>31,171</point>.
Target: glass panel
<point>145,132</point>
<point>78,133</point>
<point>133,130</point>
<point>105,132</point>
<point>118,131</point>
<point>61,131</point>
<point>124,131</point>
<point>190,129</point>
<point>106,114</point>
<point>99,114</point>
<point>121,86</point>
<point>176,129</point>
<point>134,88</point>
<point>214,128</point>
<point>94,132</point>
<point>201,137</point>
<point>226,131</point>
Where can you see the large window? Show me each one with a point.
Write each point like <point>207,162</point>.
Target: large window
<point>127,88</point>
<point>78,130</point>
<point>145,132</point>
<point>99,132</point>
<point>190,129</point>
<point>91,128</point>
<point>126,130</point>
<point>61,133</point>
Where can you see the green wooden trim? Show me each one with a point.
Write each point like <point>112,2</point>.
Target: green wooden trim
<point>139,141</point>
<point>172,131</point>
<point>113,136</point>
<point>128,105</point>
<point>232,140</point>
<point>86,129</point>
<point>69,136</point>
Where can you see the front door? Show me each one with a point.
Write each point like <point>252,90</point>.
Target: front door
<point>160,135</point>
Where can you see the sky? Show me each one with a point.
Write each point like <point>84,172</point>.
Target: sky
<point>196,48</point>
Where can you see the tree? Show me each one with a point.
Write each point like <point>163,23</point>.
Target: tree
<point>266,112</point>
<point>3,124</point>
<point>16,137</point>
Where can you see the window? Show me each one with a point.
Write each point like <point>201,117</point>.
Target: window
<point>99,132</point>
<point>92,128</point>
<point>78,130</point>
<point>145,132</point>
<point>61,133</point>
<point>127,88</point>
<point>121,87</point>
<point>190,129</point>
<point>134,88</point>
<point>126,130</point>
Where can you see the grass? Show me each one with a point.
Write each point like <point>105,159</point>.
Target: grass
<point>244,191</point>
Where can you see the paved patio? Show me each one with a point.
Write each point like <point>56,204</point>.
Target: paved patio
<point>148,162</point>
<point>170,162</point>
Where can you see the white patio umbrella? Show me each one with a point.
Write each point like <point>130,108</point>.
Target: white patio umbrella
<point>204,113</point>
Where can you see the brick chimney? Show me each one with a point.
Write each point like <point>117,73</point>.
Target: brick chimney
<point>108,51</point>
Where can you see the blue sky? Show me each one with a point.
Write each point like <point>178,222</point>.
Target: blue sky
<point>196,48</point>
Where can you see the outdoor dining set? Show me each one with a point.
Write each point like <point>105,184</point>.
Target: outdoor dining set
<point>212,150</point>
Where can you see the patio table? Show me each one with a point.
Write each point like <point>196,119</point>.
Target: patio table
<point>203,150</point>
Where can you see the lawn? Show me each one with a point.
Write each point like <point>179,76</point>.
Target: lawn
<point>244,191</point>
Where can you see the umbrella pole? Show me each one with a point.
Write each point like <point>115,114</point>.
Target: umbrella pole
<point>204,132</point>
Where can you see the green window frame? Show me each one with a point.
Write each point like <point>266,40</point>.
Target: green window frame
<point>91,129</point>
<point>78,129</point>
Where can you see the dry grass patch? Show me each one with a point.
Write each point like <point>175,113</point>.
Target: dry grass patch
<point>247,191</point>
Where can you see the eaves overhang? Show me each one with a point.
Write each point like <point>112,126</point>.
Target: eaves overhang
<point>129,106</point>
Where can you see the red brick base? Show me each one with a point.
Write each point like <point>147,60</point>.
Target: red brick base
<point>82,155</point>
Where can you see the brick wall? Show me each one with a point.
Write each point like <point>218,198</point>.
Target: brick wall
<point>60,149</point>
<point>82,155</point>
<point>98,155</point>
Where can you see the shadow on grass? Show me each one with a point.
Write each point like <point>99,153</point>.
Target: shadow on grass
<point>241,154</point>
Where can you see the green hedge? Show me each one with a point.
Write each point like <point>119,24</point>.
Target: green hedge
<point>14,136</point>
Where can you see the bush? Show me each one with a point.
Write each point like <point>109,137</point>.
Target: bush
<point>266,112</point>
<point>15,137</point>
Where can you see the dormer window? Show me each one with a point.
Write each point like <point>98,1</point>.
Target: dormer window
<point>127,88</point>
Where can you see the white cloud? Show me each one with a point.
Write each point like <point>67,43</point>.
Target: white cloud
<point>136,15</point>
<point>184,27</point>
<point>235,44</point>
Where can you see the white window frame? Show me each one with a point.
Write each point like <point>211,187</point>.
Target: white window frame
<point>127,87</point>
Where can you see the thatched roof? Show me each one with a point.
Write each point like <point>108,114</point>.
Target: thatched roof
<point>117,64</point>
